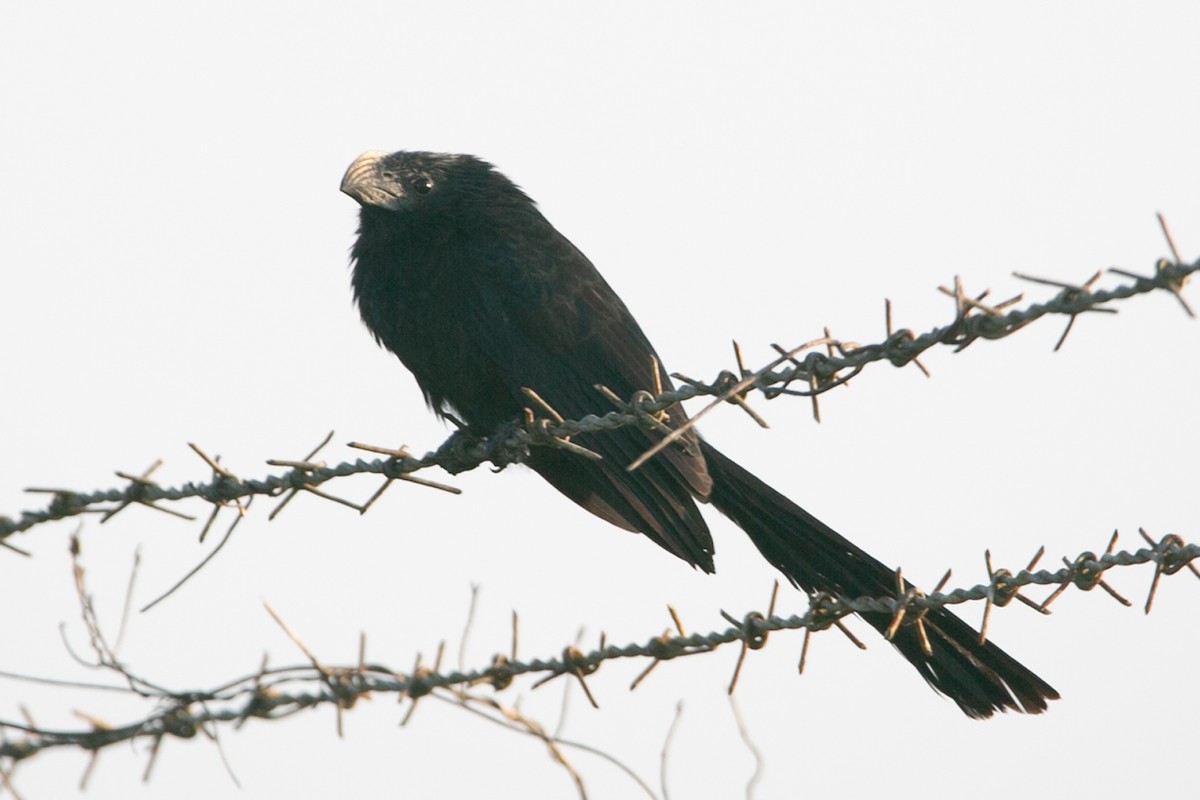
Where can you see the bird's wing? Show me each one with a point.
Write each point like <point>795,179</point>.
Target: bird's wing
<point>566,332</point>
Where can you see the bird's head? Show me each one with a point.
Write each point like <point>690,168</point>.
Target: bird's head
<point>411,181</point>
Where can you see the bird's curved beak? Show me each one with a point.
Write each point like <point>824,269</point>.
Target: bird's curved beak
<point>365,184</point>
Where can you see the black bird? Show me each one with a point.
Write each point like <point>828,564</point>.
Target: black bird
<point>457,272</point>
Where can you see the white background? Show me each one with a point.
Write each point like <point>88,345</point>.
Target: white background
<point>173,268</point>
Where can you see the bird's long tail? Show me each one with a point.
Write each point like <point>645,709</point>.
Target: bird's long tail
<point>981,678</point>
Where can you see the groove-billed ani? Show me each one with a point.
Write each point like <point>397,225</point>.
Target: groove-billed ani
<point>458,273</point>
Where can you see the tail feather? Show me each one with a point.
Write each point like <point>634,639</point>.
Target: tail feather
<point>980,678</point>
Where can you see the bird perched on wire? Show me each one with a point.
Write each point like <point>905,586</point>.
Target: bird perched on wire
<point>457,272</point>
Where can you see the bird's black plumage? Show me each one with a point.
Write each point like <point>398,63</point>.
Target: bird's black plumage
<point>457,272</point>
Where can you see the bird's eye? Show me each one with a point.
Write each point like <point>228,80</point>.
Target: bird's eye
<point>421,185</point>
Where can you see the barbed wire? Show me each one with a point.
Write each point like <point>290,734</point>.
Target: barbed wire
<point>818,366</point>
<point>269,693</point>
<point>826,364</point>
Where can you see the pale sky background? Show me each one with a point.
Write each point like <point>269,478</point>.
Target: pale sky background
<point>173,268</point>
